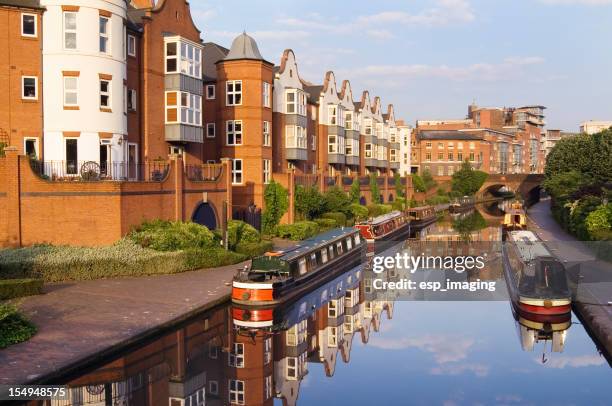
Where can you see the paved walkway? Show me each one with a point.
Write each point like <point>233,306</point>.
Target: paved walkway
<point>78,321</point>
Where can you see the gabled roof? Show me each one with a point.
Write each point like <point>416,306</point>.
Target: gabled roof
<point>314,92</point>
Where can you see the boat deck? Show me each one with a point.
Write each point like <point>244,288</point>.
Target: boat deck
<point>302,247</point>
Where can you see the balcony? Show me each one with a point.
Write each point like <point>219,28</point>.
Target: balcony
<point>351,134</point>
<point>94,171</point>
<point>184,133</point>
<point>336,158</point>
<point>382,142</point>
<point>297,154</point>
<point>394,165</point>
<point>369,139</point>
<point>352,160</point>
<point>371,162</point>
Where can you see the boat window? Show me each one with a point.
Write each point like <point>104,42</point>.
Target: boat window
<point>349,243</point>
<point>302,266</point>
<point>323,255</point>
<point>339,247</point>
<point>313,260</point>
<point>357,239</point>
<point>331,251</point>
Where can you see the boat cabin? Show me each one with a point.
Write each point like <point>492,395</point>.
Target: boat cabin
<point>421,213</point>
<point>383,225</point>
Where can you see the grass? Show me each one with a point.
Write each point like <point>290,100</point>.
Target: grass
<point>14,288</point>
<point>14,327</point>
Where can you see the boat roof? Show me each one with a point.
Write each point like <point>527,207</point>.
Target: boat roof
<point>309,244</point>
<point>385,217</point>
<point>529,245</point>
<point>421,208</point>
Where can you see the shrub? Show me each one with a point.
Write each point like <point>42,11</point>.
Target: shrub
<point>162,235</point>
<point>599,222</point>
<point>240,232</point>
<point>358,211</point>
<point>308,202</point>
<point>300,230</point>
<point>254,249</point>
<point>428,179</point>
<point>338,217</point>
<point>434,200</point>
<point>325,224</point>
<point>355,192</point>
<point>398,204</point>
<point>375,210</point>
<point>276,200</point>
<point>336,200</point>
<point>417,183</point>
<point>374,191</point>
<point>13,288</point>
<point>14,327</point>
<point>210,258</point>
<point>467,181</point>
<point>399,188</point>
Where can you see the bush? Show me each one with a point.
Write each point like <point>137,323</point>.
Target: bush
<point>375,210</point>
<point>467,181</point>
<point>355,192</point>
<point>13,288</point>
<point>308,202</point>
<point>254,249</point>
<point>599,222</point>
<point>398,204</point>
<point>326,223</point>
<point>417,183</point>
<point>162,235</point>
<point>300,230</point>
<point>399,188</point>
<point>276,200</point>
<point>374,191</point>
<point>14,327</point>
<point>437,200</point>
<point>336,200</point>
<point>428,179</point>
<point>338,217</point>
<point>239,232</point>
<point>210,258</point>
<point>358,211</point>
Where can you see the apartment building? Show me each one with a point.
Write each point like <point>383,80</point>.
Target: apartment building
<point>21,74</point>
<point>593,126</point>
<point>551,137</point>
<point>404,137</point>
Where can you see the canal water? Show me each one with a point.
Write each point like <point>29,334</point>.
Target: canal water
<point>341,344</point>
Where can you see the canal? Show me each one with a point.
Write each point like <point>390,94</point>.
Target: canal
<point>343,344</point>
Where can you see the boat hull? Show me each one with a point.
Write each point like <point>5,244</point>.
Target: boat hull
<point>416,225</point>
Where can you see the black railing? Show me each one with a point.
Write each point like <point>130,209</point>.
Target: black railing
<point>204,172</point>
<point>330,180</point>
<point>306,180</point>
<point>380,180</point>
<point>347,180</point>
<point>91,171</point>
<point>364,180</point>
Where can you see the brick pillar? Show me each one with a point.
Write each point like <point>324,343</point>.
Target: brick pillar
<point>386,188</point>
<point>291,190</point>
<point>13,194</point>
<point>177,164</point>
<point>409,188</point>
<point>321,181</point>
<point>339,180</point>
<point>227,173</point>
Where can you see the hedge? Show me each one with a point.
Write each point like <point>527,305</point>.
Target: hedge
<point>254,249</point>
<point>378,209</point>
<point>12,288</point>
<point>339,217</point>
<point>359,212</point>
<point>162,235</point>
<point>240,232</point>
<point>298,231</point>
<point>209,258</point>
<point>326,223</point>
<point>14,327</point>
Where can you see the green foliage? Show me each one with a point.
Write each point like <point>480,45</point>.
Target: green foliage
<point>374,191</point>
<point>338,217</point>
<point>434,200</point>
<point>254,249</point>
<point>14,327</point>
<point>562,184</point>
<point>355,192</point>
<point>239,232</point>
<point>13,288</point>
<point>162,235</point>
<point>308,202</point>
<point>358,211</point>
<point>399,204</point>
<point>2,146</point>
<point>336,200</point>
<point>428,180</point>
<point>209,258</point>
<point>375,210</point>
<point>276,200</point>
<point>300,230</point>
<point>418,184</point>
<point>413,203</point>
<point>441,192</point>
<point>326,223</point>
<point>465,226</point>
<point>599,223</point>
<point>399,188</point>
<point>579,213</point>
<point>466,181</point>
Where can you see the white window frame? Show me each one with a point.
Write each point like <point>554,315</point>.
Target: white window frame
<point>368,151</point>
<point>175,57</point>
<point>267,350</point>
<point>234,394</point>
<point>237,174</point>
<point>107,93</point>
<point>214,130</point>
<point>71,30</point>
<point>368,126</point>
<point>268,387</point>
<point>314,142</point>
<point>23,34</point>
<point>348,120</point>
<point>132,97</point>
<point>266,134</point>
<point>332,115</point>
<point>332,144</point>
<point>35,97</point>
<point>295,137</point>
<point>233,92</point>
<point>213,95</point>
<point>230,130</point>
<point>292,370</point>
<point>191,107</point>
<point>267,164</point>
<point>213,387</point>
<point>106,35</point>
<point>236,356</point>
<point>267,97</point>
<point>75,91</point>
<point>131,45</point>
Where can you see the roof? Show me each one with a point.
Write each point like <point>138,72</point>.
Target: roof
<point>529,246</point>
<point>22,3</point>
<point>385,217</point>
<point>307,245</point>
<point>244,47</point>
<point>211,54</point>
<point>314,92</point>
<point>447,135</point>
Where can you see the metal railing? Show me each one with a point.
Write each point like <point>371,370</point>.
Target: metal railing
<point>91,171</point>
<point>306,180</point>
<point>204,172</point>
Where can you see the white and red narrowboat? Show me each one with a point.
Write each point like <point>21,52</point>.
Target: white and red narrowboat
<point>537,281</point>
<point>384,230</point>
<point>279,276</point>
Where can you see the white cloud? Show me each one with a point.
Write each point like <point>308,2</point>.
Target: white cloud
<point>579,2</point>
<point>457,369</point>
<point>573,362</point>
<point>438,345</point>
<point>281,35</point>
<point>380,34</point>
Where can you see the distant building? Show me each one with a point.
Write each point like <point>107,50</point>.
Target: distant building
<point>405,150</point>
<point>593,127</point>
<point>551,137</point>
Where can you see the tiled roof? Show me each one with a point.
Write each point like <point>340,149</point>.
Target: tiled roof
<point>447,135</point>
<point>22,3</point>
<point>314,92</point>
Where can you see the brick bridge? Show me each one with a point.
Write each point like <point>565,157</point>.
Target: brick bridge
<point>528,186</point>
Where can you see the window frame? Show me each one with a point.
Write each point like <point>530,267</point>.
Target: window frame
<point>132,99</point>
<point>106,35</point>
<point>236,359</point>
<point>266,93</point>
<point>267,165</point>
<point>332,115</point>
<point>233,92</point>
<point>214,92</point>
<point>23,97</point>
<point>66,31</point>
<point>108,93</point>
<point>214,130</point>
<point>234,394</point>
<point>237,172</point>
<point>23,34</point>
<point>233,132</point>
<point>131,39</point>
<point>36,148</point>
<point>75,90</point>
<point>266,134</point>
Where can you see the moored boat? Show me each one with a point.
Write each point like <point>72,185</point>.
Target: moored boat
<point>421,217</point>
<point>461,205</point>
<point>388,227</point>
<point>279,276</point>
<point>515,218</point>
<point>537,281</point>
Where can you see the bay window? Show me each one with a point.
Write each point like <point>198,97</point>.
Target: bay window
<point>379,130</point>
<point>183,57</point>
<point>190,106</point>
<point>332,142</point>
<point>349,147</point>
<point>393,155</point>
<point>369,151</point>
<point>332,115</point>
<point>295,102</point>
<point>295,137</point>
<point>348,117</point>
<point>233,132</point>
<point>367,123</point>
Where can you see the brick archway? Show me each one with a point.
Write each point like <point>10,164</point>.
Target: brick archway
<point>205,214</point>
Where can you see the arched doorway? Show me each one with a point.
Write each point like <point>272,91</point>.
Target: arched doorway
<point>204,214</point>
<point>362,200</point>
<point>390,198</point>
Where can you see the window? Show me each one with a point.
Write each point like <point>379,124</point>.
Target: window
<point>191,109</point>
<point>30,147</point>
<point>233,90</point>
<point>471,157</point>
<point>332,118</point>
<point>349,243</point>
<point>348,117</point>
<point>302,266</point>
<point>266,171</point>
<point>266,94</point>
<point>210,92</point>
<point>125,99</point>
<point>104,35</point>
<point>29,87</point>
<point>323,255</point>
<point>70,30</point>
<point>213,351</point>
<point>472,145</point>
<point>459,145</point>
<point>183,57</point>
<point>267,350</point>
<point>440,145</point>
<point>295,137</point>
<point>393,155</point>
<point>71,84</point>
<point>428,144</point>
<point>28,25</point>
<point>428,156</point>
<point>460,156</point>
<point>236,392</point>
<point>236,357</point>
<point>292,367</point>
<point>314,143</point>
<point>237,171</point>
<point>380,133</point>
<point>367,123</point>
<point>268,387</point>
<point>295,102</point>
<point>349,147</point>
<point>440,156</point>
<point>368,150</point>
<point>210,130</point>
<point>332,309</point>
<point>171,57</point>
<point>213,387</point>
<point>450,156</point>
<point>233,132</point>
<point>72,159</point>
<point>332,337</point>
<point>332,142</point>
<point>131,45</point>
<point>339,248</point>
<point>105,94</point>
<point>266,134</point>
<point>131,100</point>
<point>440,170</point>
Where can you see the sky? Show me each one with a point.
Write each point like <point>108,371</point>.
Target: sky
<point>432,58</point>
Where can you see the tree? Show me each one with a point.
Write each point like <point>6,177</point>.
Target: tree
<point>599,222</point>
<point>565,183</point>
<point>335,199</point>
<point>399,188</point>
<point>467,181</point>
<point>417,183</point>
<point>355,192</point>
<point>428,179</point>
<point>276,199</point>
<point>308,201</point>
<point>374,191</point>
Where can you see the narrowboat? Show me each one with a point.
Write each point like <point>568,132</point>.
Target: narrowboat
<point>461,205</point>
<point>515,218</point>
<point>537,281</point>
<point>279,276</point>
<point>421,217</point>
<point>388,227</point>
<point>532,331</point>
